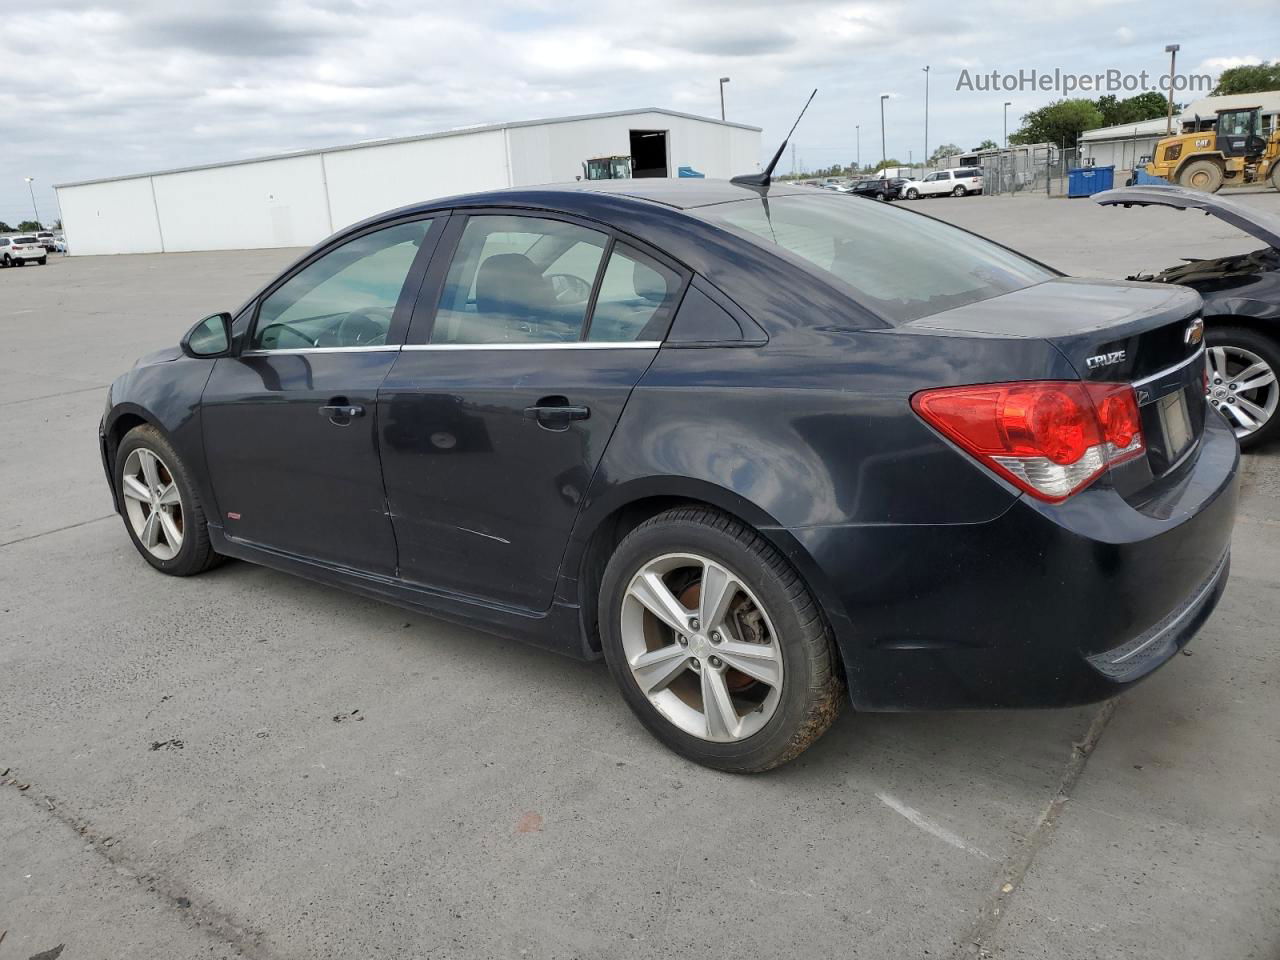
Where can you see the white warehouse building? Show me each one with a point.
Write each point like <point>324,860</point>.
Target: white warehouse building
<point>297,199</point>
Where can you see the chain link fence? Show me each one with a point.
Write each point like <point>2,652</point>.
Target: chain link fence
<point>1041,169</point>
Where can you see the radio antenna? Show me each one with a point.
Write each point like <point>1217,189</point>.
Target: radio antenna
<point>764,178</point>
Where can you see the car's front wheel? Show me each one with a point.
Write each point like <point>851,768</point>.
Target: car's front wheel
<point>913,193</point>
<point>716,643</point>
<point>162,511</point>
<point>1242,370</point>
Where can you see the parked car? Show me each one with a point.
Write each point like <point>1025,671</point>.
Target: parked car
<point>46,239</point>
<point>1241,308</point>
<point>878,188</point>
<point>956,183</point>
<point>60,244</point>
<point>21,250</point>
<point>761,448</point>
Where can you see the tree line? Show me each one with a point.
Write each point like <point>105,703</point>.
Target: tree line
<point>28,226</point>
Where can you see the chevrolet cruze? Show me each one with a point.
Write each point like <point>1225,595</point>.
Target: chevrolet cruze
<point>763,449</point>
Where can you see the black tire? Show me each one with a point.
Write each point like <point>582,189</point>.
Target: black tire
<point>1275,175</point>
<point>812,688</point>
<point>1201,175</point>
<point>880,196</point>
<point>959,191</point>
<point>196,554</point>
<point>913,194</point>
<point>1265,347</point>
<point>43,260</point>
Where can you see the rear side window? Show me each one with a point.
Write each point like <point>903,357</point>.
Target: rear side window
<point>899,264</point>
<point>637,296</point>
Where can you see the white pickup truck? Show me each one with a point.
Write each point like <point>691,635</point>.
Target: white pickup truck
<point>954,183</point>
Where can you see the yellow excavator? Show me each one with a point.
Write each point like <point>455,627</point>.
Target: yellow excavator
<point>1233,153</point>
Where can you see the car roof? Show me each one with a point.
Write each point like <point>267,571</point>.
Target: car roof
<point>681,193</point>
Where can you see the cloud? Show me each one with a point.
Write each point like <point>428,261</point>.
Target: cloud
<point>107,87</point>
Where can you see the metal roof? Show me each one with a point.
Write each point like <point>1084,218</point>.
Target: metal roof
<point>456,132</point>
<point>1268,100</point>
<point>1126,131</point>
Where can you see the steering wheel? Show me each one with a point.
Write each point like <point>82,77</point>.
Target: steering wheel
<point>568,288</point>
<point>359,329</point>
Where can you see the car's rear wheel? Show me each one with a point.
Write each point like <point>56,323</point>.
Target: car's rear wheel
<point>161,509</point>
<point>716,643</point>
<point>42,261</point>
<point>1201,175</point>
<point>959,191</point>
<point>1243,372</point>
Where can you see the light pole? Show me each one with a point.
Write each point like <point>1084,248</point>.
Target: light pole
<point>925,158</point>
<point>33,197</point>
<point>857,129</point>
<point>723,81</point>
<point>1172,51</point>
<point>884,155</point>
<point>1007,105</point>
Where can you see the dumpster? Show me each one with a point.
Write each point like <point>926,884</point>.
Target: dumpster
<point>1086,181</point>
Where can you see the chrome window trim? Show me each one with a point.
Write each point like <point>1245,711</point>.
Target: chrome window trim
<point>565,345</point>
<point>1199,354</point>
<point>287,351</point>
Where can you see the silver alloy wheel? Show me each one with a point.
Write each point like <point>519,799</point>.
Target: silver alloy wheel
<point>1243,386</point>
<point>152,503</point>
<point>701,647</point>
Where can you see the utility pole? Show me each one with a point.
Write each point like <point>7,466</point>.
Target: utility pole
<point>793,159</point>
<point>1007,104</point>
<point>33,197</point>
<point>723,81</point>
<point>857,129</point>
<point>884,155</point>
<point>1172,50</point>
<point>925,158</point>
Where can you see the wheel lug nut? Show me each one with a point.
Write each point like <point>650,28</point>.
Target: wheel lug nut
<point>1231,399</point>
<point>682,640</point>
<point>1217,379</point>
<point>1231,386</point>
<point>693,623</point>
<point>716,662</point>
<point>715,636</point>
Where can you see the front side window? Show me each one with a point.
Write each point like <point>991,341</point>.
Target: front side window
<point>517,279</point>
<point>344,299</point>
<point>900,265</point>
<point>636,299</point>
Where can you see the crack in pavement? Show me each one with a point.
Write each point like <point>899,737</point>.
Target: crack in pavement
<point>204,919</point>
<point>69,526</point>
<point>50,396</point>
<point>1015,867</point>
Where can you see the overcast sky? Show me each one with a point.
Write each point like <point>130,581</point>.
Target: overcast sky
<point>100,89</point>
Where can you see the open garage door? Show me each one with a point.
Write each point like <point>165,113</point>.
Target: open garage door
<point>649,153</point>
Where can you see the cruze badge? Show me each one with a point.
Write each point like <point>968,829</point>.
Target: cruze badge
<point>1104,359</point>
<point>1195,332</point>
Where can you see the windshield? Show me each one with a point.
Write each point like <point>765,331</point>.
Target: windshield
<point>900,264</point>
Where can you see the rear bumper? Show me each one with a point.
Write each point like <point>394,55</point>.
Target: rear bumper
<point>1046,605</point>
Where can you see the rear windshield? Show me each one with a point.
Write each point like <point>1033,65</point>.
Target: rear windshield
<point>900,264</point>
<point>24,239</point>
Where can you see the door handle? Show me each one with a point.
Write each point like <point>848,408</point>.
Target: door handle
<point>556,412</point>
<point>341,411</point>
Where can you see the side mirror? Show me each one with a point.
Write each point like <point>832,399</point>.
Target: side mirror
<point>211,337</point>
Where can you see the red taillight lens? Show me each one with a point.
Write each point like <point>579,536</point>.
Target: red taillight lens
<point>1049,438</point>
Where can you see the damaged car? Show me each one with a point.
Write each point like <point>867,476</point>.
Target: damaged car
<point>1241,296</point>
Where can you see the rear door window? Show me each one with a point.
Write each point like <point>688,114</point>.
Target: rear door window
<point>636,299</point>
<point>517,279</point>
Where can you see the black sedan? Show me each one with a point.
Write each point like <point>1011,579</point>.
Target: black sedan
<point>754,446</point>
<point>1241,296</point>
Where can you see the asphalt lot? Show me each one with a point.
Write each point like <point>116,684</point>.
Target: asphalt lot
<point>248,764</point>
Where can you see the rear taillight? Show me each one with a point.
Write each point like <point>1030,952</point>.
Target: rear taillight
<point>1049,438</point>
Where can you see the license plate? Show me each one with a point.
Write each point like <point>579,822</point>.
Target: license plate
<point>1176,423</point>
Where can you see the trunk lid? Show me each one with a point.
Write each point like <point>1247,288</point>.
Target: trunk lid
<point>1145,334</point>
